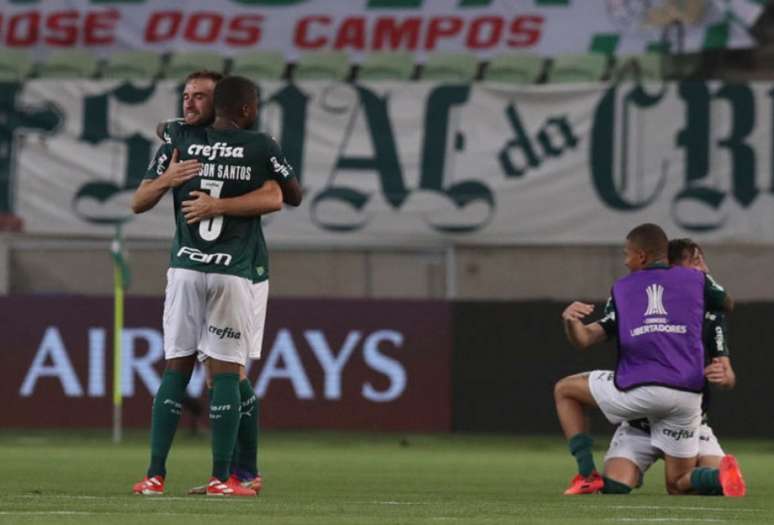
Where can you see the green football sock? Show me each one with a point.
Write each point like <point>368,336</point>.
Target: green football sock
<point>706,481</point>
<point>615,487</point>
<point>224,422</point>
<point>246,452</point>
<point>580,447</point>
<point>167,407</point>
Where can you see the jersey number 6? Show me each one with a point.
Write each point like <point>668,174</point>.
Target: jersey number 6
<point>210,229</point>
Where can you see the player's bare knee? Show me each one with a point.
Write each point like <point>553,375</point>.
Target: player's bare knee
<point>561,389</point>
<point>568,388</point>
<point>183,365</point>
<point>623,471</point>
<point>218,367</point>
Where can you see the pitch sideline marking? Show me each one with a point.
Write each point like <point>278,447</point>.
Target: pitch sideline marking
<point>399,502</point>
<point>121,496</point>
<point>661,507</point>
<point>78,513</point>
<point>201,498</point>
<point>661,520</point>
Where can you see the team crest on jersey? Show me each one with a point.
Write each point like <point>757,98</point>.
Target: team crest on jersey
<point>655,300</point>
<point>217,150</point>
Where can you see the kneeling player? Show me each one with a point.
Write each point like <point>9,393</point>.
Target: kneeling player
<point>631,453</point>
<point>657,316</point>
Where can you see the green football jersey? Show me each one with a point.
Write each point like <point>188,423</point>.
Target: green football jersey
<point>170,127</point>
<point>234,162</point>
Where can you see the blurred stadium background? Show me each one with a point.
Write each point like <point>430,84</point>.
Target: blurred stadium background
<point>469,166</point>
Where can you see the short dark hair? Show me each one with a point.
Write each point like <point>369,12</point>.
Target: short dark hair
<point>204,74</point>
<point>651,239</point>
<point>681,249</point>
<point>232,93</point>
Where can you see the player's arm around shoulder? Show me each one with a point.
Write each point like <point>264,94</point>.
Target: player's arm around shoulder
<point>581,335</point>
<point>283,173</point>
<point>715,296</point>
<point>720,373</point>
<point>262,201</point>
<point>164,172</point>
<point>167,128</point>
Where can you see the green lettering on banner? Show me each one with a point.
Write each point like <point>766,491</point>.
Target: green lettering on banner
<point>434,156</point>
<point>521,142</point>
<point>603,140</point>
<point>293,103</point>
<point>695,138</point>
<point>45,118</point>
<point>742,101</point>
<point>96,130</point>
<point>554,125</point>
<point>384,163</point>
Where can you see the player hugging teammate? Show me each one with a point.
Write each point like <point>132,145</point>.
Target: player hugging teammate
<point>223,178</point>
<point>668,318</point>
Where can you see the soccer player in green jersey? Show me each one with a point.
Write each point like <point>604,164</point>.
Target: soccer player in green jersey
<point>217,282</point>
<point>198,110</point>
<point>631,453</point>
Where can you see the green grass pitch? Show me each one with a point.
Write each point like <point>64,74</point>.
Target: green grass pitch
<point>320,477</point>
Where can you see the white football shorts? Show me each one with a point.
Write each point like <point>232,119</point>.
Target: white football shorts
<point>213,315</point>
<point>708,443</point>
<point>674,415</point>
<point>634,444</point>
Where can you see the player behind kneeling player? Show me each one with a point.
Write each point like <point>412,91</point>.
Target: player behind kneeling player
<point>658,313</point>
<point>631,454</point>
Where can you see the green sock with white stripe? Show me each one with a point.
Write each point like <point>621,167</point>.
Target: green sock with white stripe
<point>224,422</point>
<point>245,460</point>
<point>167,408</point>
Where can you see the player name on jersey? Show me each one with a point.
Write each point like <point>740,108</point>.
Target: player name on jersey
<point>226,172</point>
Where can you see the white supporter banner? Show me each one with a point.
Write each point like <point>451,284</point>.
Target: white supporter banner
<point>396,164</point>
<point>485,27</point>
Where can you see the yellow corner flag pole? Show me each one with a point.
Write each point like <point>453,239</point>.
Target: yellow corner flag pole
<point>120,280</point>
